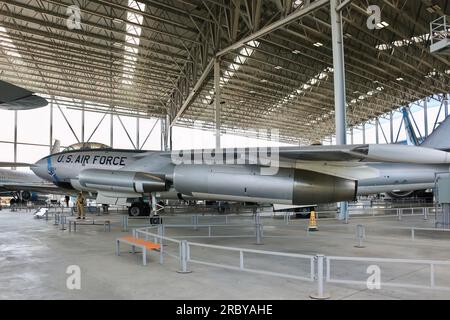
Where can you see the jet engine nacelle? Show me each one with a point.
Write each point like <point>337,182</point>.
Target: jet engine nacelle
<point>122,181</point>
<point>246,183</point>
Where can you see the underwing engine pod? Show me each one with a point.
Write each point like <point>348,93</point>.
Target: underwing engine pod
<point>122,181</point>
<point>246,183</point>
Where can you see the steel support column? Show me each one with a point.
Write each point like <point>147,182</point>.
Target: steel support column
<point>163,133</point>
<point>82,121</point>
<point>425,116</point>
<point>446,104</point>
<point>15,138</point>
<point>364,132</point>
<point>51,125</point>
<point>168,134</point>
<point>391,127</point>
<point>137,134</point>
<point>217,99</point>
<point>377,132</point>
<point>339,85</point>
<point>339,73</point>
<point>111,131</point>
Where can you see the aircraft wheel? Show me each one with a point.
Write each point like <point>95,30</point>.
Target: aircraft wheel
<point>135,210</point>
<point>139,209</point>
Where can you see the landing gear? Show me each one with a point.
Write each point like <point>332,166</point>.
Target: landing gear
<point>139,209</point>
<point>105,208</point>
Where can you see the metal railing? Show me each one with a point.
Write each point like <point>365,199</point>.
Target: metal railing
<point>185,255</point>
<point>210,228</point>
<point>394,212</point>
<point>431,263</point>
<point>241,265</point>
<point>320,266</point>
<point>160,238</point>
<point>415,229</point>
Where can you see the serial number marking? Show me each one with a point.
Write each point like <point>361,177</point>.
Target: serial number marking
<point>246,309</point>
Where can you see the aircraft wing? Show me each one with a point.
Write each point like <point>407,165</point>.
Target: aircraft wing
<point>353,162</point>
<point>34,187</point>
<point>311,153</point>
<point>368,153</point>
<point>340,153</point>
<point>16,98</point>
<point>14,164</point>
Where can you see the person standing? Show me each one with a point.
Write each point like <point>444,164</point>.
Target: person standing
<point>80,206</point>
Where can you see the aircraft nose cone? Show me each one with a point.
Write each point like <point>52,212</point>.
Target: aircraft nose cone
<point>40,169</point>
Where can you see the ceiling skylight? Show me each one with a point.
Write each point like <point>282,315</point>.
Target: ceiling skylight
<point>233,67</point>
<point>403,42</point>
<point>132,41</point>
<point>8,46</point>
<point>314,81</point>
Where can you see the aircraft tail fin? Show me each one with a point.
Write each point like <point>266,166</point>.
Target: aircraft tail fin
<point>56,147</point>
<point>438,139</point>
<point>411,138</point>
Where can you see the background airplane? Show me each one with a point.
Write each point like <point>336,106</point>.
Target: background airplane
<point>26,186</point>
<point>23,186</point>
<point>13,97</point>
<point>434,140</point>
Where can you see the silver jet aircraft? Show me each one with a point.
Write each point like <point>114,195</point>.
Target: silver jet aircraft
<point>285,175</point>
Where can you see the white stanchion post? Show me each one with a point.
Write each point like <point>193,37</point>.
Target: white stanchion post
<point>320,280</point>
<point>360,235</point>
<point>183,257</point>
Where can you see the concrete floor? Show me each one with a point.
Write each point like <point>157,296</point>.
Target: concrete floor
<point>35,254</point>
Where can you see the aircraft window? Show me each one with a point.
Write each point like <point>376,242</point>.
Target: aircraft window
<point>86,146</point>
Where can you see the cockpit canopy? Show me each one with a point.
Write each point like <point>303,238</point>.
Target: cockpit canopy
<point>86,146</point>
